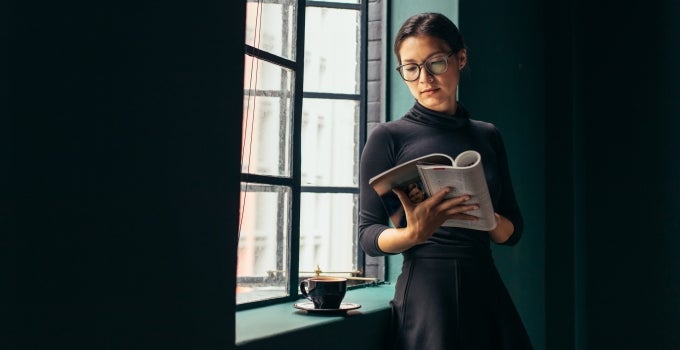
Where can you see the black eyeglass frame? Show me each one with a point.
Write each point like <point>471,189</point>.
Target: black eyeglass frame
<point>426,65</point>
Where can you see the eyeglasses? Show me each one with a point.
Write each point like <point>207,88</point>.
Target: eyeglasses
<point>434,65</point>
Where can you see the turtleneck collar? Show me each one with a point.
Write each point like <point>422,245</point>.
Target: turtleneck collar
<point>422,115</point>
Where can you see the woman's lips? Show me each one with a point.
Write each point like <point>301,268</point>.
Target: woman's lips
<point>428,91</point>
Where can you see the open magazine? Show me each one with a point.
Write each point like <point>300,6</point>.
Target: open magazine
<point>423,176</point>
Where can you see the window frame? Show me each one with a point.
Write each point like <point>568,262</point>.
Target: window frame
<point>295,178</point>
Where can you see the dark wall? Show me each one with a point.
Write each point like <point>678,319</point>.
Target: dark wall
<point>608,104</point>
<point>123,173</point>
<point>626,101</point>
<point>505,85</point>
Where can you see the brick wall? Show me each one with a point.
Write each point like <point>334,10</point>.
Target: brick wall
<point>375,72</point>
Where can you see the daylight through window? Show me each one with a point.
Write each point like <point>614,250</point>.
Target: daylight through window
<point>302,127</point>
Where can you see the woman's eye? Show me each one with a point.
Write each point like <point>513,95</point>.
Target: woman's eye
<point>410,68</point>
<point>437,62</point>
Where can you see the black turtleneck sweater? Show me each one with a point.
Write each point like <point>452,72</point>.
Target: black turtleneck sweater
<point>420,132</point>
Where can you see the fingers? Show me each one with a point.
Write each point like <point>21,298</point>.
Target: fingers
<point>460,213</point>
<point>438,205</point>
<point>441,195</point>
<point>456,207</point>
<point>403,197</point>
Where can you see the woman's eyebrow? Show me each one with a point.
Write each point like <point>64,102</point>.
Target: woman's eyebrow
<point>427,58</point>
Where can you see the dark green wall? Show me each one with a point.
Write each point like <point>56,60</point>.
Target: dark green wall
<point>626,101</point>
<point>602,107</point>
<point>582,92</point>
<point>122,186</point>
<point>504,85</point>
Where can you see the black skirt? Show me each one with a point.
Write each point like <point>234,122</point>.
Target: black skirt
<point>454,303</point>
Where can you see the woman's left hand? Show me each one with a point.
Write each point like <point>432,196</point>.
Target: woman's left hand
<point>503,230</point>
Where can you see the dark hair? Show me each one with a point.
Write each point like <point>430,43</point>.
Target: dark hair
<point>431,24</point>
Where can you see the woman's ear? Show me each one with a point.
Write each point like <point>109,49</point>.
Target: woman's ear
<point>462,58</point>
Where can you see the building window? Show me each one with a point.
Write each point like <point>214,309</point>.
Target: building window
<point>303,127</point>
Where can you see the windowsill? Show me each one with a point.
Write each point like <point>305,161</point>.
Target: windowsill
<point>283,319</point>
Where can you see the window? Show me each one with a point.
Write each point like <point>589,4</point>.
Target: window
<point>302,132</point>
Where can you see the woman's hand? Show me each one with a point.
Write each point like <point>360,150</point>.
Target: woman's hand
<point>504,229</point>
<point>423,219</point>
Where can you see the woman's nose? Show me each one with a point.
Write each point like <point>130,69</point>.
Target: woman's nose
<point>425,76</point>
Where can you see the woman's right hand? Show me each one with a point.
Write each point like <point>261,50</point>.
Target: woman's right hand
<point>423,219</point>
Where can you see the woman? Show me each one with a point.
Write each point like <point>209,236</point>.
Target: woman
<point>449,294</point>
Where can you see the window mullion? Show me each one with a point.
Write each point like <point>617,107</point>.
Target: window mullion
<point>294,246</point>
<point>284,131</point>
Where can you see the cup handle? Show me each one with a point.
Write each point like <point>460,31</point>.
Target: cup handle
<point>303,288</point>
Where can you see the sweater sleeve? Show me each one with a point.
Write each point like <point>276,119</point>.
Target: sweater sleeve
<point>377,156</point>
<point>508,206</point>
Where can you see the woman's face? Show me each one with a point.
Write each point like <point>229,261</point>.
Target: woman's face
<point>436,92</point>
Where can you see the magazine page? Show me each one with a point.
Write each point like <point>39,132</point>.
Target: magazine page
<point>465,177</point>
<point>405,173</point>
<point>406,177</point>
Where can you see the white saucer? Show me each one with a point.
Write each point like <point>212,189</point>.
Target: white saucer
<point>309,307</point>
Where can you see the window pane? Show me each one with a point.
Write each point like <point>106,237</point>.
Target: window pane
<point>330,137</point>
<point>262,270</point>
<point>328,232</point>
<point>332,50</point>
<point>267,119</point>
<point>270,26</point>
